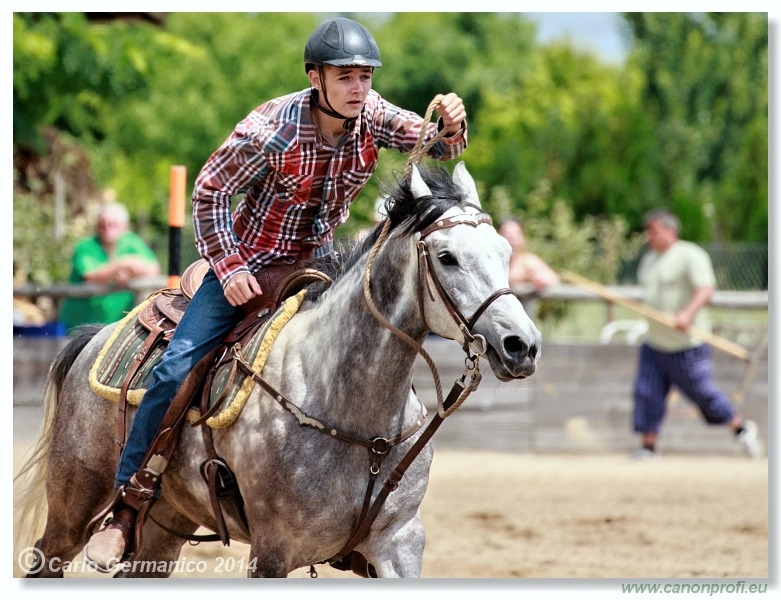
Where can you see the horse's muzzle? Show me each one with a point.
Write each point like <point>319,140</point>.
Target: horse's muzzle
<point>514,359</point>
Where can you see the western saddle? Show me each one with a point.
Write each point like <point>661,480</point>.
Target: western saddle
<point>159,318</point>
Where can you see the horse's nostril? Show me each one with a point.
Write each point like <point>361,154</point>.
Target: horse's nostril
<point>515,347</point>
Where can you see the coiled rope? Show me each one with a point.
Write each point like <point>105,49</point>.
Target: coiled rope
<point>422,146</point>
<point>418,152</point>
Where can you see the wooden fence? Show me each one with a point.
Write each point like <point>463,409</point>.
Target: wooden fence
<point>580,399</point>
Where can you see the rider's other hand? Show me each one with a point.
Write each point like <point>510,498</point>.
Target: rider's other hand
<point>451,109</point>
<point>241,288</point>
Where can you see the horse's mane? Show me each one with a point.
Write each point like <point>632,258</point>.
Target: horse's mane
<point>406,213</point>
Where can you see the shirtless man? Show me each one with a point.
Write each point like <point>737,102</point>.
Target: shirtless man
<point>525,266</point>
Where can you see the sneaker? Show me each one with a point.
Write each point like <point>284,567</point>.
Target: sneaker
<point>749,440</point>
<point>646,454</point>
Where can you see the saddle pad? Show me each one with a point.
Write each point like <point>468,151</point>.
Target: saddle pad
<point>109,369</point>
<point>255,353</point>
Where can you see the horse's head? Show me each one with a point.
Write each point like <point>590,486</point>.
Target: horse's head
<point>465,266</point>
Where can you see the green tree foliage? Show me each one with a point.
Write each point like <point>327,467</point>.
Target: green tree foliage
<point>559,124</point>
<point>471,53</point>
<point>34,261</point>
<point>705,92</point>
<point>224,65</point>
<point>682,123</point>
<point>70,73</point>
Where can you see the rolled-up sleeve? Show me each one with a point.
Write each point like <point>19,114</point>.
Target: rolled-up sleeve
<point>397,128</point>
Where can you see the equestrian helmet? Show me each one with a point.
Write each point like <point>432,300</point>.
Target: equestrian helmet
<point>343,43</point>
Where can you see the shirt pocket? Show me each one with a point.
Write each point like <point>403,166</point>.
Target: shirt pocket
<point>359,177</point>
<point>364,163</point>
<point>292,188</point>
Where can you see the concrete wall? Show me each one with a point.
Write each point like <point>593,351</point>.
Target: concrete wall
<point>578,401</point>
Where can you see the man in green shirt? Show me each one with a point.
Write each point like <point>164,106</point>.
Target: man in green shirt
<point>677,278</point>
<point>113,255</point>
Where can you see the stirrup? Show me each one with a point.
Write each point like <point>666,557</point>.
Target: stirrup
<point>101,516</point>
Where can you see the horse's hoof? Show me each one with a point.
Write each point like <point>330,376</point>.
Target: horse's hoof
<point>105,549</point>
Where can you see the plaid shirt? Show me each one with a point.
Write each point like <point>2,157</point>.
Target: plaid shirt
<point>296,190</point>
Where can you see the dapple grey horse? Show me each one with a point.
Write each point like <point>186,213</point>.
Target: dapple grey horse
<point>340,362</point>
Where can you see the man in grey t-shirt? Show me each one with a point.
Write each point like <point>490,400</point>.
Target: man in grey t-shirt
<point>677,278</point>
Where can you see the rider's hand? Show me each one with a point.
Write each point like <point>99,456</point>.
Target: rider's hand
<point>241,288</point>
<point>451,109</point>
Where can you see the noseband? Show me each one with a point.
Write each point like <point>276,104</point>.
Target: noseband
<point>474,343</point>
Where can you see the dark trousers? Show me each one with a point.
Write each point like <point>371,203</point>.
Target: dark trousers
<point>688,370</point>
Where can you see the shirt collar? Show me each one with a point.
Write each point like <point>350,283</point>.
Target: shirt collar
<point>306,125</point>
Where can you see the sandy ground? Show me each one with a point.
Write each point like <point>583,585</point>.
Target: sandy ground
<point>495,515</point>
<point>526,516</point>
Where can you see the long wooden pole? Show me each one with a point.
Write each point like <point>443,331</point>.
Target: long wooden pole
<point>175,223</point>
<point>720,343</point>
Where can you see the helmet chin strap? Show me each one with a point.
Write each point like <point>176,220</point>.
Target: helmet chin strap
<point>329,110</point>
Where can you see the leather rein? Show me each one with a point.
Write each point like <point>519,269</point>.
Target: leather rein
<point>474,346</point>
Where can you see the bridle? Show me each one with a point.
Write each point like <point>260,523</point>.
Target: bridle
<point>474,343</point>
<point>460,390</point>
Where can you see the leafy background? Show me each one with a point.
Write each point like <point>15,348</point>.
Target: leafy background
<point>577,147</point>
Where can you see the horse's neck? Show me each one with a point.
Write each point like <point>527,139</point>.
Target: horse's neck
<point>359,367</point>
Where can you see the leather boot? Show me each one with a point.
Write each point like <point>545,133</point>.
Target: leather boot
<point>121,537</point>
<point>106,548</point>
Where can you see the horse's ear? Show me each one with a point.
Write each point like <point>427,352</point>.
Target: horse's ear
<point>417,186</point>
<point>464,180</point>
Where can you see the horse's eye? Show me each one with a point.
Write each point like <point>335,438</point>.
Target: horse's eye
<point>447,259</point>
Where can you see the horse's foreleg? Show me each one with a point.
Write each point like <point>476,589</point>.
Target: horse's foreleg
<point>267,559</point>
<point>159,555</point>
<point>400,552</point>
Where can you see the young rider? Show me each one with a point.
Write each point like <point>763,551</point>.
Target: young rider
<point>299,160</point>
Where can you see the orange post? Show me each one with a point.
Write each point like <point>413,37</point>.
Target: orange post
<point>175,223</point>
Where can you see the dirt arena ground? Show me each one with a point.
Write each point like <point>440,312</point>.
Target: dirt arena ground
<point>541,517</point>
<point>525,516</point>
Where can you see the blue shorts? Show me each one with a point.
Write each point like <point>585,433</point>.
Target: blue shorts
<point>688,370</point>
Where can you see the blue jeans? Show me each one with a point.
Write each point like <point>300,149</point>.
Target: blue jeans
<point>205,323</point>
